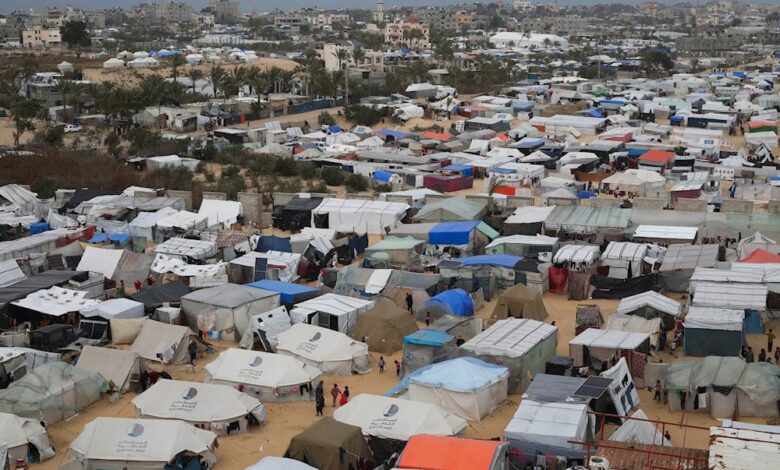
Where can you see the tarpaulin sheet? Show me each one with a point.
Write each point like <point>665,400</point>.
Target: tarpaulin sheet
<point>452,233</point>
<point>610,288</point>
<point>455,302</point>
<point>558,279</point>
<point>274,243</point>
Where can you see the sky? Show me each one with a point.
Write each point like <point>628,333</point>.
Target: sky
<point>260,5</point>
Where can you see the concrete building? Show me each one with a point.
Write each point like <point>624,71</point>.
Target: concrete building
<point>291,20</point>
<point>169,12</point>
<point>523,5</point>
<point>512,39</point>
<point>399,33</point>
<point>379,13</point>
<point>327,19</point>
<point>41,37</point>
<point>373,62</point>
<point>225,11</point>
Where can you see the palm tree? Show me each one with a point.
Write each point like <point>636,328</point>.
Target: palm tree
<point>216,78</point>
<point>194,75</point>
<point>64,87</point>
<point>342,56</point>
<point>176,62</point>
<point>358,54</point>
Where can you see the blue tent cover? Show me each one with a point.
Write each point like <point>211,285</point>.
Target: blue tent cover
<point>503,261</point>
<point>465,169</point>
<point>463,374</point>
<point>636,153</point>
<point>429,338</point>
<point>452,233</point>
<point>287,290</point>
<point>456,302</point>
<point>585,194</point>
<point>39,227</point>
<point>394,133</point>
<point>274,243</point>
<point>383,176</point>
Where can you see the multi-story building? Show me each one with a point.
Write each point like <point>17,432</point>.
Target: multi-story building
<point>400,33</point>
<point>225,11</point>
<point>291,20</point>
<point>169,12</point>
<point>327,19</point>
<point>523,5</point>
<point>41,37</point>
<point>372,61</point>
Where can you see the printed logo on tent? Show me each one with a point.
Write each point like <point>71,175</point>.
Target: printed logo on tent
<point>390,411</point>
<point>316,336</point>
<point>191,393</point>
<point>135,430</point>
<point>256,361</point>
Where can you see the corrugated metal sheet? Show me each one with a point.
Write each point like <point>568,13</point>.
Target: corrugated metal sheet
<point>741,296</point>
<point>631,456</point>
<point>682,256</point>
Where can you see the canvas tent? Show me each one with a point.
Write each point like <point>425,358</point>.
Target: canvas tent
<point>52,392</point>
<point>383,327</point>
<point>226,309</point>
<point>636,324</point>
<point>332,352</point>
<point>20,435</point>
<point>523,245</point>
<point>425,347</point>
<point>332,311</point>
<point>142,443</point>
<point>165,343</point>
<point>120,368</point>
<point>595,347</point>
<point>357,215</point>
<point>329,444</point>
<point>218,408</point>
<point>118,265</point>
<point>649,304</point>
<point>264,328</point>
<point>428,452</point>
<point>114,308</point>
<point>577,254</point>
<point>682,259</point>
<point>455,302</point>
<point>265,376</point>
<point>519,302</point>
<point>450,209</point>
<point>522,345</point>
<point>546,428</point>
<point>390,422</point>
<point>624,259</point>
<point>468,387</point>
<point>639,431</point>
<point>712,331</point>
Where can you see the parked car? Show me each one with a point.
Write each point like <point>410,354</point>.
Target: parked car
<point>69,128</point>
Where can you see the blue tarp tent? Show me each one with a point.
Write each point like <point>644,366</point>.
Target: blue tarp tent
<point>39,227</point>
<point>595,112</point>
<point>334,129</point>
<point>452,233</point>
<point>464,374</point>
<point>465,169</point>
<point>382,176</point>
<point>636,153</point>
<point>101,237</point>
<point>453,302</point>
<point>289,293</point>
<point>503,261</point>
<point>677,119</point>
<point>584,194</point>
<point>503,171</point>
<point>429,338</point>
<point>274,243</point>
<point>393,133</point>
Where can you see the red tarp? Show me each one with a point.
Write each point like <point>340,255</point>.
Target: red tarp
<point>446,184</point>
<point>507,190</point>
<point>558,278</point>
<point>761,256</point>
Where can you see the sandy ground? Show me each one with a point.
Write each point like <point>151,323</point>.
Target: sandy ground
<point>287,419</point>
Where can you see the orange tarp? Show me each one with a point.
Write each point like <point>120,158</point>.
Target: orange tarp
<point>426,452</point>
<point>443,136</point>
<point>761,256</point>
<point>657,156</point>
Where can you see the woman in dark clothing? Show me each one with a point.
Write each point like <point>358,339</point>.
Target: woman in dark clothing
<point>319,399</point>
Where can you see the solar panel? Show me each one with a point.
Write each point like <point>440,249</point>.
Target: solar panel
<point>593,387</point>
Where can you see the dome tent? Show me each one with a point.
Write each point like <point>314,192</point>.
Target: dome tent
<point>451,302</point>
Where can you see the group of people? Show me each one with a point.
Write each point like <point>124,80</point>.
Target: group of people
<point>765,355</point>
<point>340,396</point>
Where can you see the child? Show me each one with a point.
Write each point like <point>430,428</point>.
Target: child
<point>658,389</point>
<point>381,364</point>
<point>397,368</point>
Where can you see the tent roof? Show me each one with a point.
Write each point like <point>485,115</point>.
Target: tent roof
<point>520,301</point>
<point>625,251</point>
<point>656,156</point>
<point>684,256</point>
<point>35,283</point>
<point>228,295</point>
<point>652,299</point>
<point>564,420</point>
<point>316,343</point>
<point>429,338</point>
<point>393,418</point>
<point>194,402</point>
<point>512,337</point>
<point>440,452</point>
<point>140,440</point>
<point>721,295</point>
<point>156,337</point>
<point>711,318</point>
<point>463,374</point>
<point>160,293</point>
<point>453,208</point>
<point>115,365</point>
<point>328,436</point>
<point>610,339</point>
<point>761,256</point>
<point>577,254</point>
<point>279,463</point>
<point>395,243</point>
<point>260,368</point>
<point>554,388</point>
<point>384,327</point>
<point>333,304</point>
<point>666,232</point>
<point>578,218</point>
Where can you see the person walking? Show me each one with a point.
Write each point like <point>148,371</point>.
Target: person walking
<point>319,399</point>
<point>410,303</point>
<point>397,368</point>
<point>346,392</point>
<point>335,392</point>
<point>762,355</point>
<point>770,340</point>
<point>192,349</point>
<point>381,364</point>
<point>777,355</point>
<point>658,390</point>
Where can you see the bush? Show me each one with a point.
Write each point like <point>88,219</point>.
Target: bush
<point>383,188</point>
<point>308,171</point>
<point>112,142</point>
<point>318,187</point>
<point>49,136</point>
<point>325,119</point>
<point>285,167</point>
<point>363,115</point>
<point>333,176</point>
<point>356,183</point>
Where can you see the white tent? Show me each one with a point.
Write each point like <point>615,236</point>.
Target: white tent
<point>10,272</point>
<point>218,408</point>
<point>222,213</point>
<point>266,327</point>
<point>547,428</point>
<point>649,300</point>
<point>139,443</point>
<point>359,215</point>
<point>393,418</point>
<point>285,264</point>
<point>17,361</point>
<point>117,366</point>
<point>665,232</point>
<point>18,434</point>
<point>332,352</point>
<point>195,249</point>
<point>602,344</point>
<point>114,308</point>
<point>333,311</point>
<point>100,260</point>
<point>279,463</point>
<point>639,431</point>
<point>56,301</point>
<point>143,225</point>
<point>468,387</point>
<point>114,63</point>
<point>578,254</point>
<point>265,376</point>
<point>184,220</point>
<point>624,258</point>
<point>166,343</point>
<point>226,308</point>
<point>635,324</point>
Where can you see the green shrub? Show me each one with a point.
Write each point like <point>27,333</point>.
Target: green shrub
<point>333,176</point>
<point>325,119</point>
<point>356,183</point>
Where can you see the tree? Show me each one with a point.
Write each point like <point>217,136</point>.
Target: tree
<point>194,75</point>
<point>326,119</point>
<point>363,115</point>
<point>356,183</point>
<point>333,176</point>
<point>656,60</point>
<point>176,62</point>
<point>695,65</point>
<point>358,54</point>
<point>75,34</point>
<point>217,77</point>
<point>24,113</point>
